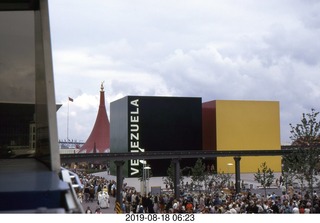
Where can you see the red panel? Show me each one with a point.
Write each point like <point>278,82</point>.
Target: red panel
<point>209,137</point>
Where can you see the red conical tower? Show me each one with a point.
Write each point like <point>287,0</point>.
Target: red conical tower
<point>99,139</point>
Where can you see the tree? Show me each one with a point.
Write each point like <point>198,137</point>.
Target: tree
<point>169,179</point>
<point>303,162</point>
<point>264,176</point>
<point>197,172</point>
<point>219,181</point>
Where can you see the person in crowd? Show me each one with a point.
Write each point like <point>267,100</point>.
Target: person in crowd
<point>98,211</point>
<point>88,210</point>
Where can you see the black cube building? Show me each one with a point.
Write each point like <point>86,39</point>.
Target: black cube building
<point>145,123</point>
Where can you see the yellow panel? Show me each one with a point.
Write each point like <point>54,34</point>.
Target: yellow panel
<point>248,164</point>
<point>248,125</point>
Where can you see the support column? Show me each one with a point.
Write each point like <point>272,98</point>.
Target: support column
<point>176,178</point>
<point>237,171</point>
<point>119,165</point>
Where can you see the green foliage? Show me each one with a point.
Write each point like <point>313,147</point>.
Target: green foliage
<point>264,176</point>
<point>199,176</point>
<point>220,181</point>
<point>169,179</point>
<point>198,172</point>
<point>304,161</point>
<point>307,132</point>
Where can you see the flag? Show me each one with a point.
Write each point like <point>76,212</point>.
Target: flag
<point>71,99</point>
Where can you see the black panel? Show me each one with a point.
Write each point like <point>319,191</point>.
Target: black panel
<point>157,124</point>
<point>18,5</point>
<point>170,123</point>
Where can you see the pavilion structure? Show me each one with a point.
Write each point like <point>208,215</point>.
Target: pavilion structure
<point>99,139</point>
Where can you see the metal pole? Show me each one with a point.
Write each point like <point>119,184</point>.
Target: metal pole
<point>176,178</point>
<point>144,178</point>
<point>147,176</point>
<point>68,122</point>
<point>119,165</point>
<point>237,170</point>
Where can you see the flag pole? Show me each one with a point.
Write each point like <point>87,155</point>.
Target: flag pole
<point>68,121</point>
<point>69,99</point>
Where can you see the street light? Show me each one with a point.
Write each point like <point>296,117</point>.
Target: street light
<point>285,176</point>
<point>229,164</point>
<point>145,177</point>
<point>147,169</point>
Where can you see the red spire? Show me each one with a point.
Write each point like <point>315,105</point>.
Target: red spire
<point>99,139</point>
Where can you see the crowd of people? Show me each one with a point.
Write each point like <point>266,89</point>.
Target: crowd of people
<point>95,189</point>
<point>222,202</point>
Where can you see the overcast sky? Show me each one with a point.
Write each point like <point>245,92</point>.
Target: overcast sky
<point>216,50</point>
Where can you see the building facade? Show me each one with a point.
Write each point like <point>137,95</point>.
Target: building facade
<point>242,125</point>
<point>144,123</point>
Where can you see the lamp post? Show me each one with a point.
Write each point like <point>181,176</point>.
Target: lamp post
<point>284,178</point>
<point>145,178</point>
<point>229,176</point>
<point>229,164</point>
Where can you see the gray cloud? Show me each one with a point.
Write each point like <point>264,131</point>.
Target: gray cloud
<point>211,49</point>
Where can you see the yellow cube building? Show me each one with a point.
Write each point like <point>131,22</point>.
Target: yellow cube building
<point>242,125</point>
